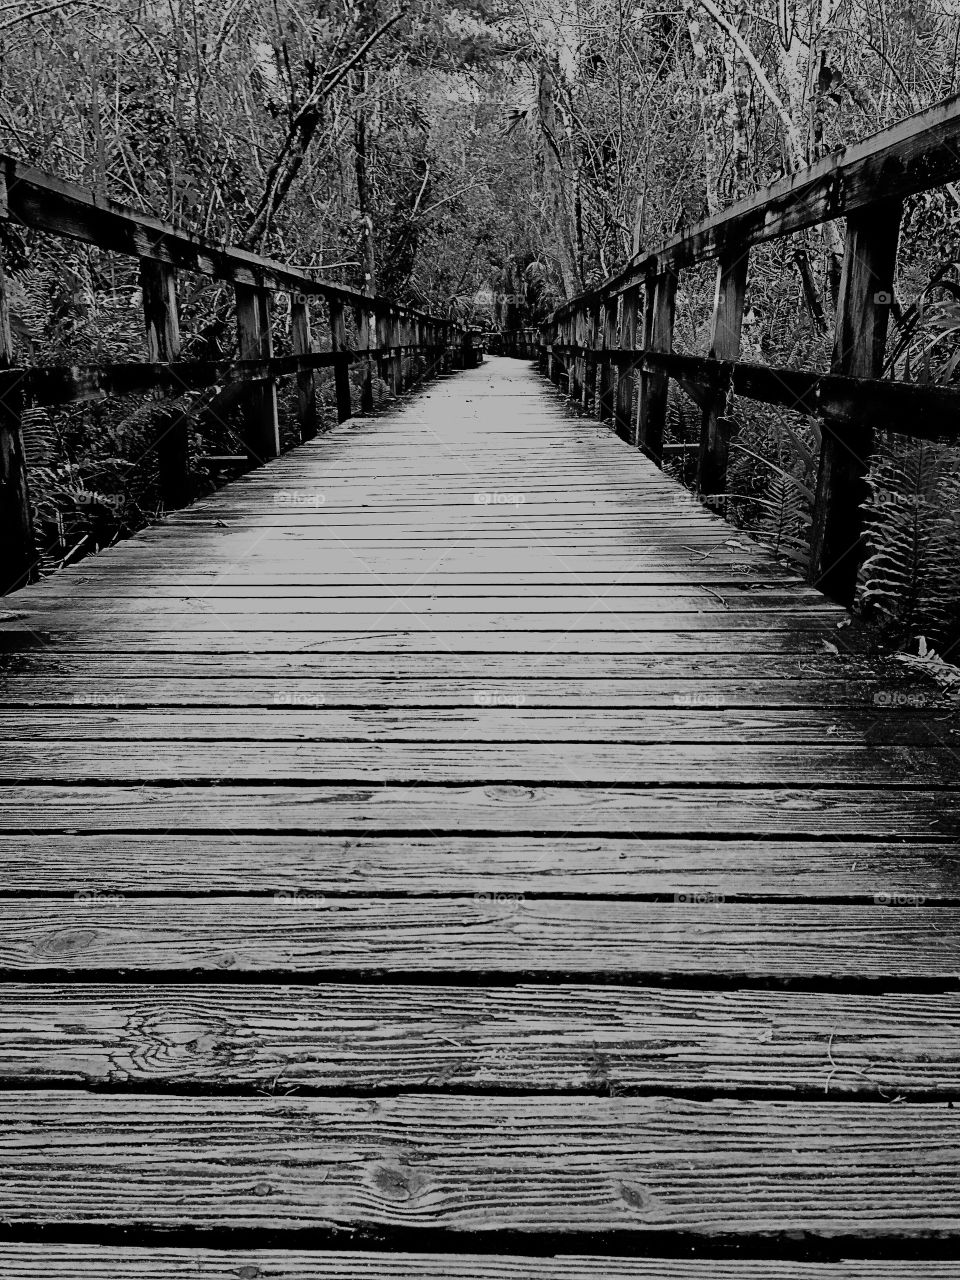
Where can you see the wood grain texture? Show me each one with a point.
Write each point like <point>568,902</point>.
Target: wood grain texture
<point>492,932</point>
<point>93,1262</point>
<point>80,702</point>
<point>722,1169</point>
<point>175,862</point>
<point>531,763</point>
<point>538,1039</point>
<point>496,808</point>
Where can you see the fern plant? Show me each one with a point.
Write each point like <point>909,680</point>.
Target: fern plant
<point>912,517</point>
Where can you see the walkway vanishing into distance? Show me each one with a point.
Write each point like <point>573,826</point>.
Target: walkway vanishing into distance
<point>451,846</point>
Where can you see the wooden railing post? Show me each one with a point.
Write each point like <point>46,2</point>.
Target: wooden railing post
<point>261,425</point>
<point>863,309</point>
<point>398,328</point>
<point>158,287</point>
<point>576,360</point>
<point>367,329</point>
<point>302,343</point>
<point>724,345</point>
<point>341,370</point>
<point>591,340</point>
<point>18,554</point>
<point>623,415</point>
<point>654,385</point>
<point>607,382</point>
<point>393,361</point>
<point>404,338</point>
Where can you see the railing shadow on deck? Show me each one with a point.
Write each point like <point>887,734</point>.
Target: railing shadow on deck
<point>395,344</point>
<point>589,345</point>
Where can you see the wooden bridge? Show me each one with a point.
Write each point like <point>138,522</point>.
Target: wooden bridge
<point>453,851</point>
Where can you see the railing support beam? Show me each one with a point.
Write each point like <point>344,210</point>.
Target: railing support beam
<point>158,287</point>
<point>341,370</point>
<point>869,265</point>
<point>18,555</point>
<point>254,330</point>
<point>623,417</point>
<point>657,336</point>
<point>301,341</point>
<point>725,342</point>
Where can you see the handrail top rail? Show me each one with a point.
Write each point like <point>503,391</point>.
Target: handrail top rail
<point>40,199</point>
<point>913,155</point>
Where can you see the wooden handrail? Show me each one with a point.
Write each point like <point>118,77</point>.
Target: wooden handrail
<point>49,203</point>
<point>918,153</point>
<point>591,343</point>
<point>46,202</point>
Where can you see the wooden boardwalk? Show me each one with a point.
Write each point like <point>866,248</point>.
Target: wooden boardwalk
<point>452,852</point>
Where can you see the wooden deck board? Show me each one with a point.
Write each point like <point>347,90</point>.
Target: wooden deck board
<point>92,1262</point>
<point>452,827</point>
<point>484,933</point>
<point>554,1038</point>
<point>721,1169</point>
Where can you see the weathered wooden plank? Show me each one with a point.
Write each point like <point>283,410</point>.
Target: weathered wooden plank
<point>533,763</point>
<point>869,813</point>
<point>486,933</point>
<point>395,615</point>
<point>804,668</point>
<point>556,1039</point>
<point>423,639</point>
<point>175,862</point>
<point>496,716</point>
<point>95,1262</point>
<point>641,1165</point>
<point>821,701</point>
<point>427,603</point>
